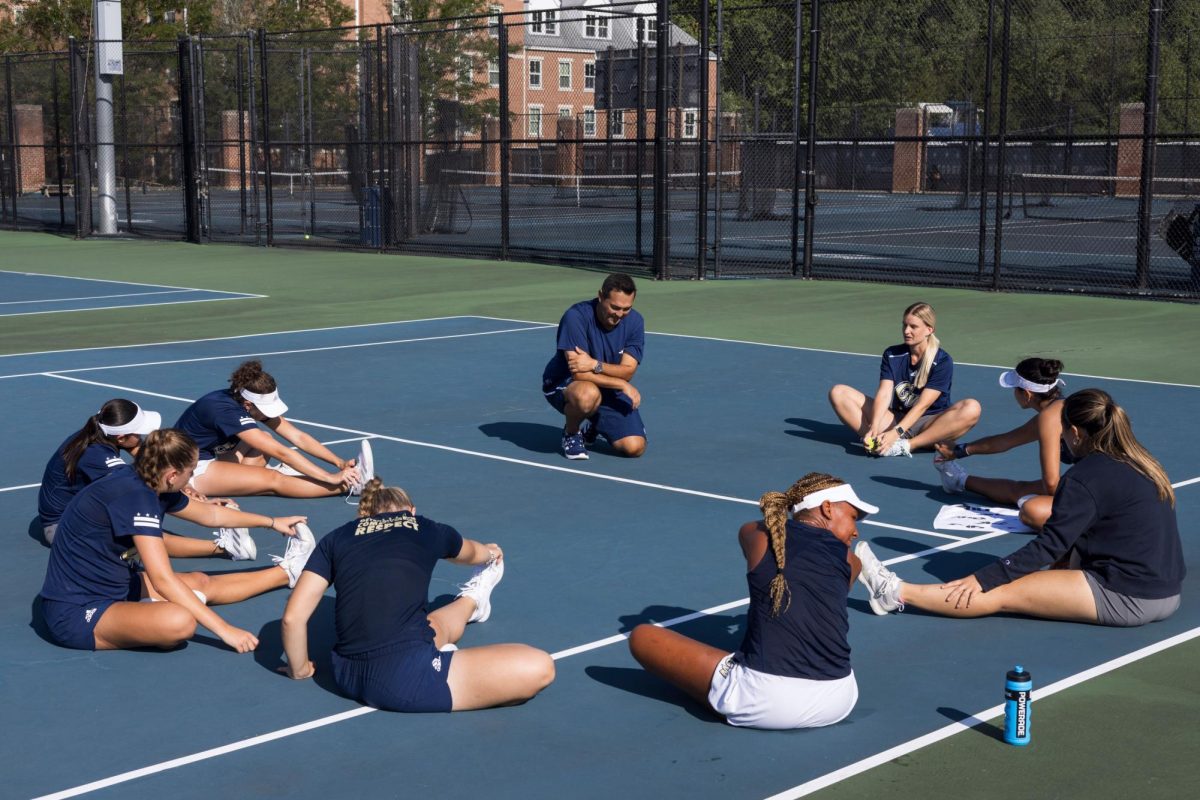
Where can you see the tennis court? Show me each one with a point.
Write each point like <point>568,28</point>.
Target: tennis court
<point>382,356</point>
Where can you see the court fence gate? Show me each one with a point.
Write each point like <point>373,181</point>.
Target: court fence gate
<point>989,145</point>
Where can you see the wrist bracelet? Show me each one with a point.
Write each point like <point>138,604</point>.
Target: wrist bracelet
<point>960,451</point>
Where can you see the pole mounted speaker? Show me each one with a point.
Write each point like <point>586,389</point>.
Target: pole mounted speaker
<point>110,58</point>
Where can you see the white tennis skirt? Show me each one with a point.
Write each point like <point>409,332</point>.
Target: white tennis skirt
<point>751,699</point>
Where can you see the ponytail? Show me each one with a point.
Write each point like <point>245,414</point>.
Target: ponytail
<point>163,449</point>
<point>1108,430</point>
<point>924,312</point>
<point>113,413</point>
<point>379,499</point>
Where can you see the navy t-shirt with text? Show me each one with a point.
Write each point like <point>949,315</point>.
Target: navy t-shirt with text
<point>898,368</point>
<point>96,461</point>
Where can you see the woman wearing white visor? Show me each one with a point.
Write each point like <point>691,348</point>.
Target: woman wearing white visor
<point>94,451</point>
<point>1037,387</point>
<point>235,451</point>
<point>793,667</point>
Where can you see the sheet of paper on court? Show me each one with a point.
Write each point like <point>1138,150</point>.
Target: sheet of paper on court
<point>981,519</point>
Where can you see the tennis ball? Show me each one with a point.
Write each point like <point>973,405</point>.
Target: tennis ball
<point>872,444</point>
<point>306,236</point>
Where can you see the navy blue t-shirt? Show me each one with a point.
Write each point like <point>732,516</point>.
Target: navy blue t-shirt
<point>380,567</point>
<point>1111,515</point>
<point>96,528</point>
<point>808,638</point>
<point>214,422</point>
<point>897,367</point>
<point>579,328</point>
<point>96,461</point>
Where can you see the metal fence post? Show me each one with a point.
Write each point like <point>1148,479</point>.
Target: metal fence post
<point>266,135</point>
<point>810,162</point>
<point>797,75</point>
<point>1149,134</point>
<point>81,144</point>
<point>1005,41</point>
<point>505,135</point>
<point>702,166</point>
<point>989,58</point>
<point>662,234</point>
<point>188,134</point>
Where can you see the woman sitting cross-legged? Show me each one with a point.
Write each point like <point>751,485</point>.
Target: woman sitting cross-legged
<point>1114,513</point>
<point>793,668</point>
<point>390,652</point>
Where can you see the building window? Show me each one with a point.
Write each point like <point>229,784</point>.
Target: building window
<point>589,76</point>
<point>535,73</point>
<point>595,26</point>
<point>616,123</point>
<point>564,75</point>
<point>648,29</point>
<point>690,118</point>
<point>564,112</point>
<point>494,20</point>
<point>544,22</point>
<point>535,122</point>
<point>589,122</point>
<point>494,72</point>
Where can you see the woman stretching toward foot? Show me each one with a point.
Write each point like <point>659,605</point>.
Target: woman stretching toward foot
<point>1114,508</point>
<point>1036,386</point>
<point>793,668</point>
<point>390,653</point>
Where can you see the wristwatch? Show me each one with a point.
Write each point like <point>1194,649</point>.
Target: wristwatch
<point>903,433</point>
<point>599,368</point>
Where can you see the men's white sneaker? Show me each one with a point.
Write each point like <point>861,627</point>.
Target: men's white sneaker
<point>900,447</point>
<point>954,477</point>
<point>882,584</point>
<point>237,542</point>
<point>479,589</point>
<point>299,548</point>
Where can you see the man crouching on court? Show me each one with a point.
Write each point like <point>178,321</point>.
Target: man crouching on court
<point>600,345</point>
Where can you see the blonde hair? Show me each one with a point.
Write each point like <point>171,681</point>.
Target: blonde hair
<point>775,508</point>
<point>1109,431</point>
<point>163,449</point>
<point>380,499</point>
<point>924,312</point>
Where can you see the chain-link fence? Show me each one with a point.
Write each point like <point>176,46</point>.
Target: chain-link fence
<point>1003,144</point>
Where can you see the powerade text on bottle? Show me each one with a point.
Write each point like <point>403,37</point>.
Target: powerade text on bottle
<point>1018,688</point>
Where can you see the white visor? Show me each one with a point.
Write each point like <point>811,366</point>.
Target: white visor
<point>1009,379</point>
<point>842,493</point>
<point>142,423</point>
<point>268,403</point>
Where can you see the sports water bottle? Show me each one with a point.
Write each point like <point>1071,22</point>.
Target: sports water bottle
<point>1018,688</point>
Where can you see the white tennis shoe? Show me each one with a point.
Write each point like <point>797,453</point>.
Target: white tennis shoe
<point>881,582</point>
<point>366,468</point>
<point>900,447</point>
<point>479,588</point>
<point>237,542</point>
<point>299,548</point>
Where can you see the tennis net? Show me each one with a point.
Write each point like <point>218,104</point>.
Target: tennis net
<point>1094,198</point>
<point>625,191</point>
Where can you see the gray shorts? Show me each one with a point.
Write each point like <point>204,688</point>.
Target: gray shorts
<point>1123,611</point>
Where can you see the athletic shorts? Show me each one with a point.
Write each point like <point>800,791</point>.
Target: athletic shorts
<point>201,467</point>
<point>408,676</point>
<point>616,417</point>
<point>72,625</point>
<point>1122,611</point>
<point>48,532</point>
<point>751,699</point>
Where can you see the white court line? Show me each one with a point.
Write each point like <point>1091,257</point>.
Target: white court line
<point>99,297</point>
<point>253,741</point>
<point>199,359</point>
<point>239,296</point>
<point>98,280</point>
<point>541,324</point>
<point>825,781</point>
<point>491,456</point>
<point>240,336</point>
<point>25,486</point>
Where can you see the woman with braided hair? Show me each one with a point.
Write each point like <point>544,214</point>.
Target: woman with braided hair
<point>793,667</point>
<point>234,451</point>
<point>1037,387</point>
<point>1114,510</point>
<point>911,408</point>
<point>391,653</point>
<point>92,598</point>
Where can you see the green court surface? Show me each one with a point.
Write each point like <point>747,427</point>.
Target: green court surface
<point>1129,732</point>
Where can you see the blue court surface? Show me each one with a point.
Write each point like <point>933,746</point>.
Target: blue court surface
<point>455,414</point>
<point>31,293</point>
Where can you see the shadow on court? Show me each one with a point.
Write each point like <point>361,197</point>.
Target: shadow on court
<point>532,436</point>
<point>35,532</point>
<point>944,565</point>
<point>642,683</point>
<point>932,488</point>
<point>816,430</point>
<point>269,653</point>
<point>986,728</point>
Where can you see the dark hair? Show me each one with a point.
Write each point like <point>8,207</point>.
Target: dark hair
<point>1109,431</point>
<point>113,413</point>
<point>1043,371</point>
<point>617,282</point>
<point>775,507</point>
<point>250,375</point>
<point>164,448</point>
